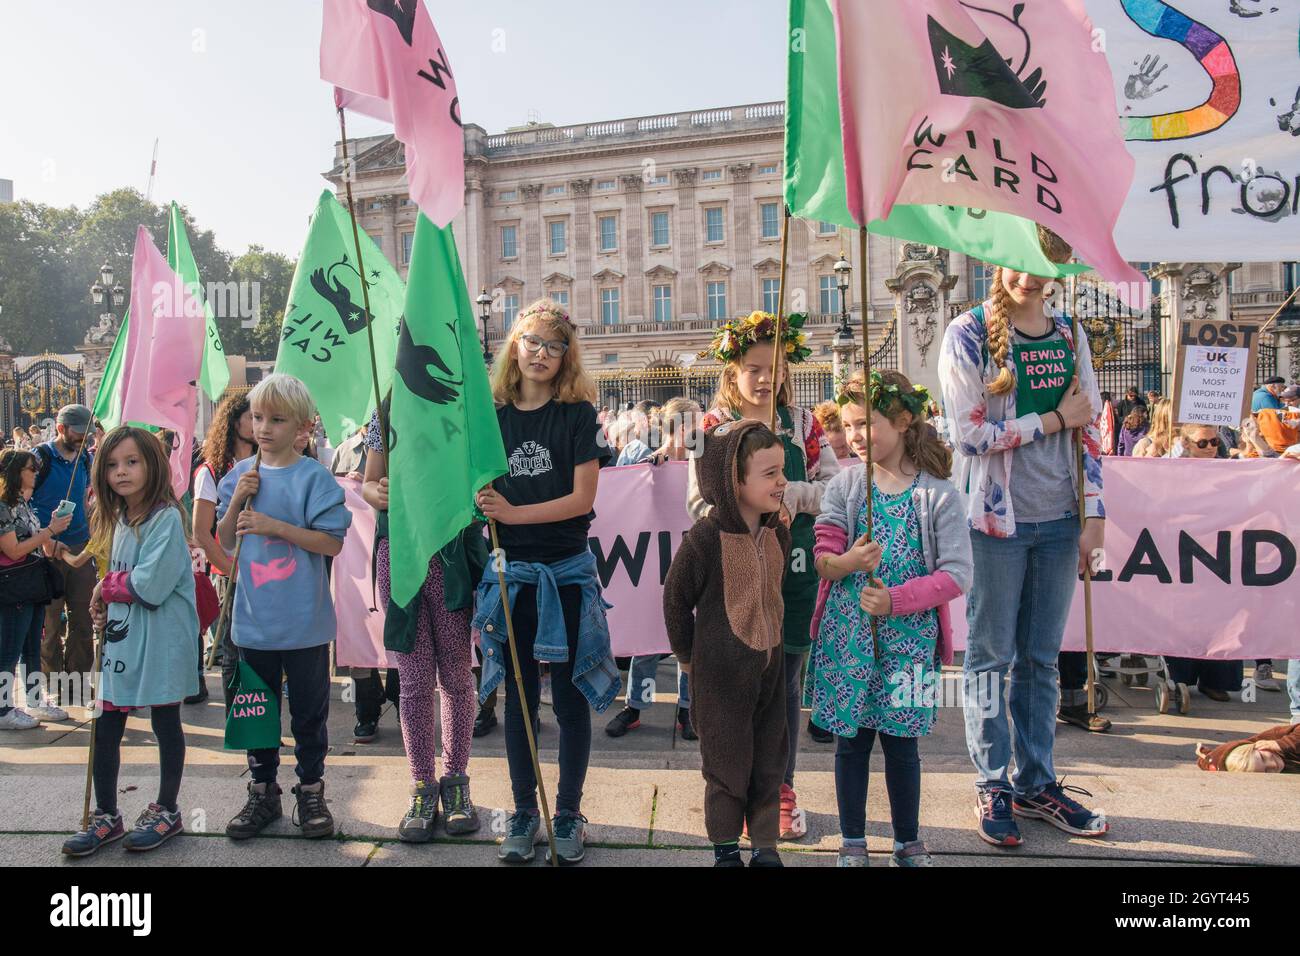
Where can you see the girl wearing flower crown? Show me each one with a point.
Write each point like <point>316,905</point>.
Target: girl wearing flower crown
<point>746,347</point>
<point>880,639</point>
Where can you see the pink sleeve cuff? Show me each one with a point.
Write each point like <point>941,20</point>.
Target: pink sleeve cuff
<point>116,588</point>
<point>923,593</point>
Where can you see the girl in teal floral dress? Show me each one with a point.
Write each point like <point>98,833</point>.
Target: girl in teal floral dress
<point>882,629</point>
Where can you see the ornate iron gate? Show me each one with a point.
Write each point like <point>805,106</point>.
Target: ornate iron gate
<point>42,388</point>
<point>1124,342</point>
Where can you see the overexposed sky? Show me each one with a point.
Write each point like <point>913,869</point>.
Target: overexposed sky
<point>231,89</point>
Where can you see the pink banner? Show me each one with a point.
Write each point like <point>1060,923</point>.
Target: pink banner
<point>1200,561</point>
<point>360,641</point>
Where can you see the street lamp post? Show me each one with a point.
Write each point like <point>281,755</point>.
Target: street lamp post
<point>484,314</point>
<point>842,271</point>
<point>106,293</point>
<point>843,346</point>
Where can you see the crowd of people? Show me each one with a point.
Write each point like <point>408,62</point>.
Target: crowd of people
<point>867,486</point>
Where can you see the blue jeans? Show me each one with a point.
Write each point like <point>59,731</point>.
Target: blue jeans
<point>641,682</point>
<point>20,640</point>
<point>1017,609</point>
<point>1293,688</point>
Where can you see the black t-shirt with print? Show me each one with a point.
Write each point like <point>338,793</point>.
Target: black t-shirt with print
<point>543,447</point>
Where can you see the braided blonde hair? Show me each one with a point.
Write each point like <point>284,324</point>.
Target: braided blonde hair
<point>997,318</point>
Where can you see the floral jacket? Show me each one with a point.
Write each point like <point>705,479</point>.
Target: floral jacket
<point>986,432</point>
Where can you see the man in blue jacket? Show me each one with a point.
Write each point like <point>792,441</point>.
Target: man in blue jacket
<point>1266,396</point>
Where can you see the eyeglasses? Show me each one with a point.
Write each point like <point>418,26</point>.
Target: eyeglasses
<point>555,348</point>
<point>1202,442</point>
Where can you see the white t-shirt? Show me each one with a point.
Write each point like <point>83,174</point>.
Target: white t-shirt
<point>205,488</point>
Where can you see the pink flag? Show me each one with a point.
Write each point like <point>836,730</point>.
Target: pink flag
<point>385,60</point>
<point>1007,105</point>
<point>164,352</point>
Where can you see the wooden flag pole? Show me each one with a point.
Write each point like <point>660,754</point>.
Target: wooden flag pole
<point>1072,304</point>
<point>1264,328</point>
<point>777,350</point>
<point>864,292</point>
<point>498,558</point>
<point>229,596</point>
<point>365,289</point>
<point>94,722</point>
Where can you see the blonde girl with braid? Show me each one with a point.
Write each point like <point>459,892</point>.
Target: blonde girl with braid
<point>1016,388</point>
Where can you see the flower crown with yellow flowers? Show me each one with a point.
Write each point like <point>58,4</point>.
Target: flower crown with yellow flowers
<point>736,337</point>
<point>884,397</point>
<point>544,312</point>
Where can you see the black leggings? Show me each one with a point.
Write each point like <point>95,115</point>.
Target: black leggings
<point>902,781</point>
<point>572,711</point>
<point>108,755</point>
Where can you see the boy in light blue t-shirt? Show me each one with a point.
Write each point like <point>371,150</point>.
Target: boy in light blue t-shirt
<point>283,619</point>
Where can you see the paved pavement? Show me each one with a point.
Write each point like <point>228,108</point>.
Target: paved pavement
<point>644,794</point>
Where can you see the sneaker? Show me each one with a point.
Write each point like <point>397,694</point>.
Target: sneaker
<point>312,814</point>
<point>47,712</point>
<point>852,856</point>
<point>996,825</point>
<point>1079,716</point>
<point>570,828</point>
<point>417,825</point>
<point>629,718</point>
<point>766,857</point>
<point>684,727</point>
<point>365,731</point>
<point>263,807</point>
<point>1054,806</point>
<point>459,813</point>
<point>521,837</point>
<point>727,854</point>
<point>911,854</point>
<point>201,696</point>
<point>154,827</point>
<point>103,828</point>
<point>1264,678</point>
<point>819,735</point>
<point>793,824</point>
<point>18,720</point>
<point>484,722</point>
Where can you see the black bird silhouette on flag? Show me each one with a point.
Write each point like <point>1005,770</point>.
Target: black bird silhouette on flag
<point>332,290</point>
<point>413,363</point>
<point>401,12</point>
<point>982,71</point>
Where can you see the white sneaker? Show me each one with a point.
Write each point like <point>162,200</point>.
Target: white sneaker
<point>1264,678</point>
<point>48,712</point>
<point>17,720</point>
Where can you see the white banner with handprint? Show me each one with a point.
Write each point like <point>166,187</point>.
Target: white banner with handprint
<point>1208,93</point>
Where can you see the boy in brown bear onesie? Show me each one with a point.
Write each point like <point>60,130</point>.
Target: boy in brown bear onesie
<point>723,612</point>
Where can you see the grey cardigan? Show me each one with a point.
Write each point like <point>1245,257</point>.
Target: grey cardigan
<point>940,511</point>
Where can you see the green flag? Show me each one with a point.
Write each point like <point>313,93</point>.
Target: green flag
<point>445,442</point>
<point>814,164</point>
<point>108,400</point>
<point>214,374</point>
<point>323,340</point>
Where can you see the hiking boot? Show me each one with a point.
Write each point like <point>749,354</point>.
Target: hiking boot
<point>521,837</point>
<point>767,857</point>
<point>684,726</point>
<point>417,825</point>
<point>727,854</point>
<point>485,721</point>
<point>911,854</point>
<point>793,824</point>
<point>819,735</point>
<point>1079,716</point>
<point>459,813</point>
<point>851,856</point>
<point>569,827</point>
<point>629,718</point>
<point>312,814</point>
<point>104,828</point>
<point>995,823</point>
<point>153,828</point>
<point>263,807</point>
<point>1054,806</point>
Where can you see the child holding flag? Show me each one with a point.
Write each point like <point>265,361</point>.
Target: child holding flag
<point>145,607</point>
<point>1015,386</point>
<point>283,619</point>
<point>543,508</point>
<point>880,642</point>
<point>745,391</point>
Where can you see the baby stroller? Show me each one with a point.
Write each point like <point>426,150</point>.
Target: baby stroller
<point>1139,670</point>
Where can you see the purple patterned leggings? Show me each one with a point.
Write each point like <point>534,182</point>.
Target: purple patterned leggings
<point>441,657</point>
